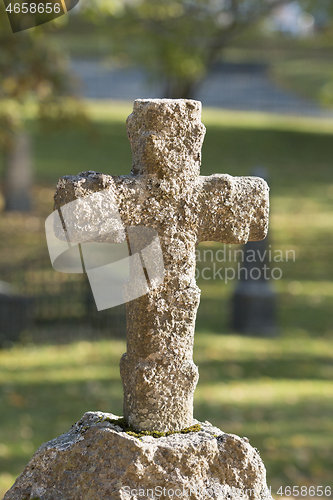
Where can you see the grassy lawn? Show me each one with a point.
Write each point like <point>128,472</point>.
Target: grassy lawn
<point>297,153</point>
<point>277,392</point>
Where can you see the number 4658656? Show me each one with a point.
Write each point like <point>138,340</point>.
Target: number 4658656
<point>32,8</point>
<point>305,491</point>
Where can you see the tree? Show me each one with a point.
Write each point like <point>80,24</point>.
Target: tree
<point>177,41</point>
<point>34,81</point>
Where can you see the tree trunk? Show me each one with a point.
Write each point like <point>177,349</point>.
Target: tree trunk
<point>177,88</point>
<point>18,174</point>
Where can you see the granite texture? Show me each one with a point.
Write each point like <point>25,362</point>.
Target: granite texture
<point>96,460</point>
<point>165,192</point>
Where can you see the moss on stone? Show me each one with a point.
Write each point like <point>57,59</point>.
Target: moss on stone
<point>121,422</point>
<point>192,428</point>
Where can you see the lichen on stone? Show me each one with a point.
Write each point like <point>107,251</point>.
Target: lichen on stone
<point>121,422</point>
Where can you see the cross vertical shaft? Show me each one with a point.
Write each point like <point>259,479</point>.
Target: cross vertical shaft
<point>166,192</point>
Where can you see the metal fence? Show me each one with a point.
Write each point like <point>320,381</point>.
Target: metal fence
<point>45,304</point>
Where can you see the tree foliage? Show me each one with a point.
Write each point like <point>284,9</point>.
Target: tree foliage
<point>34,82</point>
<point>177,41</point>
<point>33,76</point>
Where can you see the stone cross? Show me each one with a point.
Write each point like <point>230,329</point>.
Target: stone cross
<point>165,192</point>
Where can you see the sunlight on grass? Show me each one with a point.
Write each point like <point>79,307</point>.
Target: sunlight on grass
<point>79,353</point>
<point>109,110</point>
<point>264,392</point>
<point>83,361</point>
<point>259,120</point>
<point>236,347</point>
<point>6,480</point>
<point>256,387</point>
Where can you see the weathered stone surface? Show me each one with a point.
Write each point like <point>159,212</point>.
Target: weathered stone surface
<point>165,191</point>
<point>96,460</point>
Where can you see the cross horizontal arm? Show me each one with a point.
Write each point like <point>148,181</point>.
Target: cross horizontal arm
<point>234,209</point>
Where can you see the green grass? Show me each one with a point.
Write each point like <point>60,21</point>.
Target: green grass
<point>277,392</point>
<point>235,142</point>
<point>297,153</point>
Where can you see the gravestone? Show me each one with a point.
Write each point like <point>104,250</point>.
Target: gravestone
<point>16,314</point>
<point>254,300</point>
<point>157,444</point>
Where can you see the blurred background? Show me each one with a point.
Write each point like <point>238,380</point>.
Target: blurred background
<point>263,71</point>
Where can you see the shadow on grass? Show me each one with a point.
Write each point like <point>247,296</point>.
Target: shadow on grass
<point>291,427</point>
<point>294,440</point>
<point>309,316</point>
<point>289,367</point>
<point>32,414</point>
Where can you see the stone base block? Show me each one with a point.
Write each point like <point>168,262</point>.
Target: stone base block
<point>97,460</point>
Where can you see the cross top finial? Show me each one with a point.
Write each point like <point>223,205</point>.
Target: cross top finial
<point>166,137</point>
